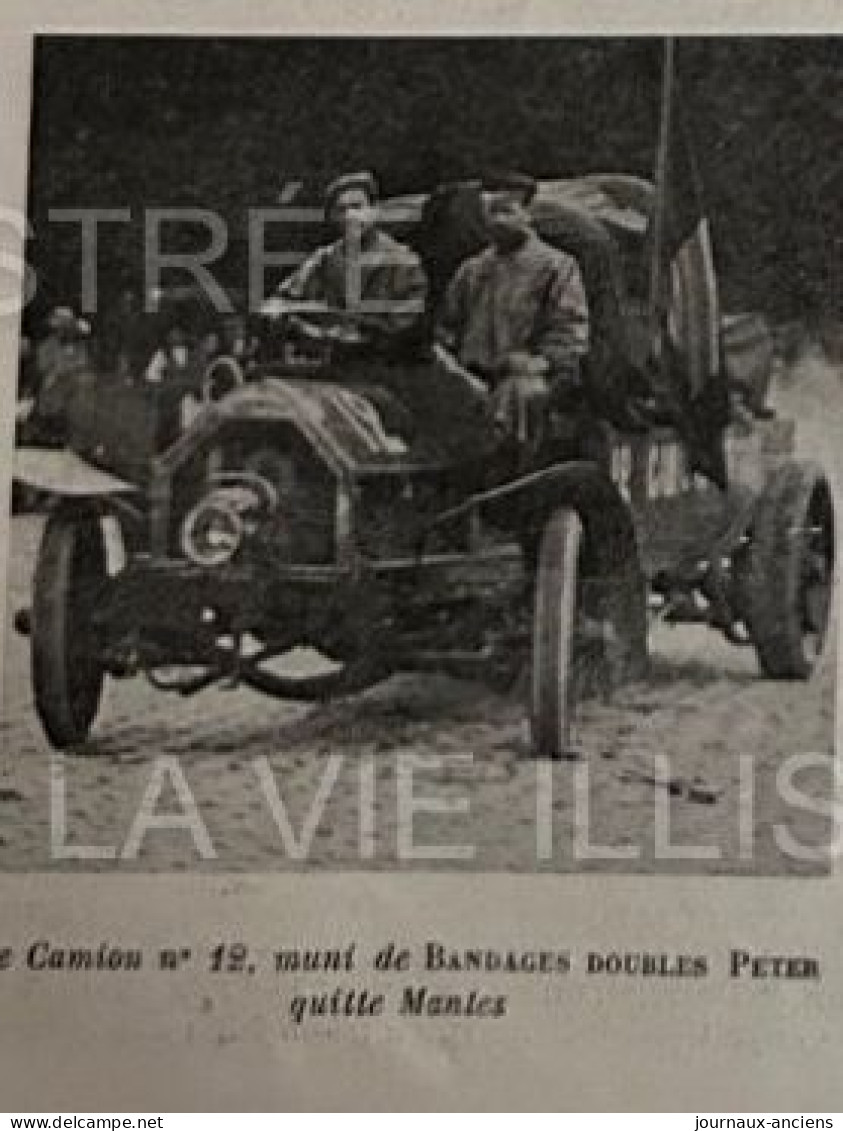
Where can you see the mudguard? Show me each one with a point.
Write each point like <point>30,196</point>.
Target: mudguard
<point>579,483</point>
<point>59,471</point>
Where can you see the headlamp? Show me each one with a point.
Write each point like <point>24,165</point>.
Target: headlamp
<point>212,532</point>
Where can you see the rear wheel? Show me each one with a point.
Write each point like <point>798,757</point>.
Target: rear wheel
<point>789,574</point>
<point>67,672</point>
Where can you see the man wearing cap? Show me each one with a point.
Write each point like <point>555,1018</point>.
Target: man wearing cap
<point>365,273</point>
<point>516,314</point>
<point>60,357</point>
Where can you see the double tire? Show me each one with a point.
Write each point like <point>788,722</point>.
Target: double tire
<point>787,575</point>
<point>67,671</point>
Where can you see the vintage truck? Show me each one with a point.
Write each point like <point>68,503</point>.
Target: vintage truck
<point>367,509</point>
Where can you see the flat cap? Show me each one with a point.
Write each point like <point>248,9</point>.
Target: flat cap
<point>61,318</point>
<point>362,180</point>
<point>520,184</point>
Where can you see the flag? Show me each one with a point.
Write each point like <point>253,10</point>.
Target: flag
<point>684,294</point>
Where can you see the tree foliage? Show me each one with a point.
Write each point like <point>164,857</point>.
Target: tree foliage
<point>224,124</point>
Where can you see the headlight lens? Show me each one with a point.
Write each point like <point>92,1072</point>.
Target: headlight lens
<point>212,532</point>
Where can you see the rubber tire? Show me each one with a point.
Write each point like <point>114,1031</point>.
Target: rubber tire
<point>554,615</point>
<point>67,677</point>
<point>773,574</point>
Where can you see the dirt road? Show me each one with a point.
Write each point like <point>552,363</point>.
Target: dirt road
<point>721,734</point>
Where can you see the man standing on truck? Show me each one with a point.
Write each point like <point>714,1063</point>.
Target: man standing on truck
<point>515,315</point>
<point>377,283</point>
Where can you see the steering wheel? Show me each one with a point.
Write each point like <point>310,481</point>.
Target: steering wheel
<point>315,321</point>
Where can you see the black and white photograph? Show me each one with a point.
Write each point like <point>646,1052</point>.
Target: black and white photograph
<point>419,665</point>
<point>425,456</point>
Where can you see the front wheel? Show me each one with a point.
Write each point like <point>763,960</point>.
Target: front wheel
<point>589,625</point>
<point>67,672</point>
<point>554,613</point>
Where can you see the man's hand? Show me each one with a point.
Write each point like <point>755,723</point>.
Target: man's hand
<point>446,360</point>
<point>519,404</point>
<point>520,363</point>
<point>316,319</point>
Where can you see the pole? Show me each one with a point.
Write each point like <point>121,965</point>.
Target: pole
<point>660,177</point>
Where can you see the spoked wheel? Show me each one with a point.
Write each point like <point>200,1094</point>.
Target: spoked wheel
<point>589,629</point>
<point>790,571</point>
<point>67,672</point>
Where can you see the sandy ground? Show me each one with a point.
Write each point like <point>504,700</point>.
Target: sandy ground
<point>723,734</point>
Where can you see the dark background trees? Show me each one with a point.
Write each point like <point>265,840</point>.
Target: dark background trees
<point>223,124</point>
